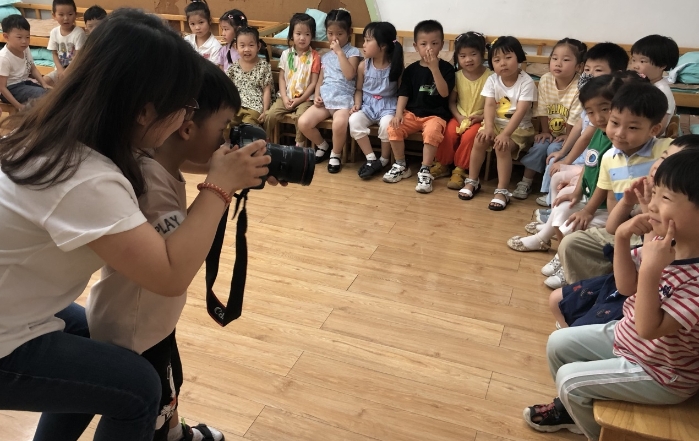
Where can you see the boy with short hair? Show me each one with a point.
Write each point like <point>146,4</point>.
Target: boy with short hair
<point>123,313</point>
<point>423,104</point>
<point>92,17</point>
<point>650,355</point>
<point>65,40</point>
<point>17,64</point>
<point>651,56</point>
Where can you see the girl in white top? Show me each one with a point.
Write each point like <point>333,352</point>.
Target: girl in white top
<point>201,38</point>
<point>69,183</point>
<point>507,119</point>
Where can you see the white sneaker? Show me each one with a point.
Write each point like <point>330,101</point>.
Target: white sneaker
<point>557,280</point>
<point>550,268</point>
<point>397,173</point>
<point>424,182</point>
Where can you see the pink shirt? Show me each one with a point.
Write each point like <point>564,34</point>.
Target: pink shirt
<point>672,360</point>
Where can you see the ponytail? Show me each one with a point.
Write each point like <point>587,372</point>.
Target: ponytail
<point>396,61</point>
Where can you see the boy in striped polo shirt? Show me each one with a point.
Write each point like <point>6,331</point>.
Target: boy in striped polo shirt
<point>652,354</point>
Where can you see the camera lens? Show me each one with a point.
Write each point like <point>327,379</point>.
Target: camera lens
<point>292,164</point>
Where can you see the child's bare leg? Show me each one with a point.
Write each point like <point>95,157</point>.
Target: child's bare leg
<point>504,158</point>
<point>309,121</point>
<point>398,148</point>
<point>340,120</point>
<point>365,145</point>
<point>554,298</point>
<point>385,150</point>
<point>428,152</point>
<point>477,158</point>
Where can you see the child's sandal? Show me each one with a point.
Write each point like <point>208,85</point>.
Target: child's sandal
<point>466,194</point>
<point>498,204</point>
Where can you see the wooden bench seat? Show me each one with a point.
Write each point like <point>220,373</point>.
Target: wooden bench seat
<point>622,421</point>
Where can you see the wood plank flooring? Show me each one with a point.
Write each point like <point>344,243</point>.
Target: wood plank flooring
<point>372,312</point>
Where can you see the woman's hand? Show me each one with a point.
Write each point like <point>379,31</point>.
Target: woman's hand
<point>237,168</point>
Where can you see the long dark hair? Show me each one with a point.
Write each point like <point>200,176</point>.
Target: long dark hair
<point>99,100</point>
<point>385,35</point>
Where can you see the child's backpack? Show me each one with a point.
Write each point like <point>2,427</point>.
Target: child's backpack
<point>687,70</point>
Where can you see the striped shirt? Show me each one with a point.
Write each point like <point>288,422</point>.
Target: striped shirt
<point>562,107</point>
<point>671,360</point>
<point>618,170</point>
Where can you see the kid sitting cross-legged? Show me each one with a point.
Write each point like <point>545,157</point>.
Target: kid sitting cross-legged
<point>423,104</point>
<point>649,356</point>
<point>17,64</point>
<point>120,311</point>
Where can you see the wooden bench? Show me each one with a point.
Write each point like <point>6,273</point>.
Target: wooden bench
<point>622,421</point>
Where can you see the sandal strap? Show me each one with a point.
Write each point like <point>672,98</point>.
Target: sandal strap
<point>473,182</point>
<point>502,191</point>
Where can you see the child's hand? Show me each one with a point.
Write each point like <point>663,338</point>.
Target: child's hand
<point>459,119</point>
<point>560,138</point>
<point>318,101</point>
<point>643,190</point>
<point>486,135</point>
<point>541,137</point>
<point>355,108</point>
<point>431,60</point>
<point>262,117</point>
<point>397,121</point>
<point>556,156</point>
<point>562,185</point>
<point>569,197</point>
<point>580,220</point>
<point>637,225</point>
<point>235,168</point>
<point>335,47</point>
<point>502,143</point>
<point>555,168</point>
<point>659,253</point>
<point>294,103</point>
<point>287,102</point>
<point>475,119</point>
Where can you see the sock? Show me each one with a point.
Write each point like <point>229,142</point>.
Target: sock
<point>384,161</point>
<point>371,156</point>
<point>401,162</point>
<point>334,158</point>
<point>528,181</point>
<point>175,433</point>
<point>532,242</point>
<point>321,149</point>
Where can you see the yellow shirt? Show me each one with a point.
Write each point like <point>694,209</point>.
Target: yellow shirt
<point>562,107</point>
<point>469,101</point>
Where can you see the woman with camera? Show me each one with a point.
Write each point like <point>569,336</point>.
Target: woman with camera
<point>69,184</point>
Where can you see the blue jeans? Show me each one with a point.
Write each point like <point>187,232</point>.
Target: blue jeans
<point>535,159</point>
<point>25,91</point>
<point>71,378</point>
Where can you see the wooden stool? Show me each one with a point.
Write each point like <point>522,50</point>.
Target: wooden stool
<point>622,421</point>
<point>8,108</point>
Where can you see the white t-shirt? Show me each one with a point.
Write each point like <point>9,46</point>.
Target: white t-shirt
<point>664,87</point>
<point>506,98</point>
<point>16,69</point>
<point>66,45</point>
<point>118,310</point>
<point>210,50</point>
<point>45,263</point>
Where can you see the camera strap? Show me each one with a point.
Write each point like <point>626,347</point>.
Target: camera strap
<point>221,314</point>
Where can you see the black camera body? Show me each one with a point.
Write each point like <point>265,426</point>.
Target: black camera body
<point>295,165</point>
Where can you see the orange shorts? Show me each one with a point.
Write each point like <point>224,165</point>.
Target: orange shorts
<point>432,128</point>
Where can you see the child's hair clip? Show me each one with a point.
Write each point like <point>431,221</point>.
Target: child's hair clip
<point>458,37</point>
<point>492,43</point>
<point>343,9</point>
<point>478,34</point>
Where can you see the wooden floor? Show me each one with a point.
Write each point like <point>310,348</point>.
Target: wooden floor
<point>372,312</point>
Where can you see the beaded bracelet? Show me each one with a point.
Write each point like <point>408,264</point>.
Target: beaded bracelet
<point>216,189</point>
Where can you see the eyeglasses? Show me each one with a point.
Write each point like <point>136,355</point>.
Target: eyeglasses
<point>190,108</point>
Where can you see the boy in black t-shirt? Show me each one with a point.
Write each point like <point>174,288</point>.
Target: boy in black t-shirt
<point>423,104</point>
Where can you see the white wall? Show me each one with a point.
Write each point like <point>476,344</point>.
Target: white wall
<point>619,21</point>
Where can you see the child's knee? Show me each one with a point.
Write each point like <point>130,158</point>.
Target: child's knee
<point>433,131</point>
<point>554,299</point>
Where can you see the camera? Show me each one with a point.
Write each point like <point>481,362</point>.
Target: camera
<point>291,164</point>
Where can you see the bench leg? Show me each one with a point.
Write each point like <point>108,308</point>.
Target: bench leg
<point>611,435</point>
<point>488,164</point>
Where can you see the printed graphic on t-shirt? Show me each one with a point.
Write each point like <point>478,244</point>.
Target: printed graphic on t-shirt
<point>429,88</point>
<point>503,110</point>
<point>591,158</point>
<point>66,52</point>
<point>167,223</point>
<point>27,67</point>
<point>558,115</point>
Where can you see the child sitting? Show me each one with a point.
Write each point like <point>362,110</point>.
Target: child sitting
<point>299,71</point>
<point>229,23</point>
<point>649,356</point>
<point>558,110</point>
<point>65,40</point>
<point>92,17</point>
<point>121,312</point>
<point>423,104</point>
<point>584,205</point>
<point>596,300</point>
<point>376,96</point>
<point>334,90</point>
<point>253,78</point>
<point>507,122</point>
<point>651,56</point>
<point>466,105</point>
<point>201,38</point>
<point>17,64</point>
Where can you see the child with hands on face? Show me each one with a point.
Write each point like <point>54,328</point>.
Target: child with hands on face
<point>300,69</point>
<point>423,104</point>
